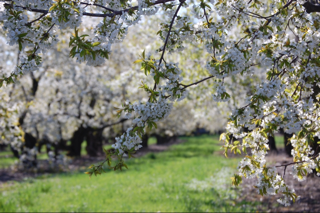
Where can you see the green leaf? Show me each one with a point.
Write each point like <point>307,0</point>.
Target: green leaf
<point>125,165</point>
<point>96,44</point>
<point>93,55</point>
<point>52,8</point>
<point>72,40</point>
<point>236,180</point>
<point>82,53</point>
<point>155,125</point>
<point>138,61</point>
<point>20,46</point>
<point>22,35</point>
<point>73,51</point>
<point>156,79</point>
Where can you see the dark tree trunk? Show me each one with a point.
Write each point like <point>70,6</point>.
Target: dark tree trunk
<point>315,146</point>
<point>52,147</point>
<point>55,148</point>
<point>94,143</point>
<point>161,139</point>
<point>76,141</point>
<point>272,144</point>
<point>3,147</point>
<point>62,145</point>
<point>145,139</point>
<point>30,142</point>
<point>173,138</point>
<point>316,90</point>
<point>287,144</point>
<point>14,152</point>
<point>164,139</point>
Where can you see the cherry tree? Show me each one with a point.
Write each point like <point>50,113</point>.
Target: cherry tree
<point>67,101</point>
<point>64,101</point>
<point>280,37</point>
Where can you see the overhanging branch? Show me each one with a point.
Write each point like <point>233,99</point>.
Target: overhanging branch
<point>101,15</point>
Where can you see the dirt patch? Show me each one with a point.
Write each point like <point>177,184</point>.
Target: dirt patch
<point>74,164</point>
<point>308,190</point>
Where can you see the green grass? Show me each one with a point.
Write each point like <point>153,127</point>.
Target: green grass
<point>152,141</point>
<point>5,153</point>
<point>188,177</point>
<point>279,141</point>
<point>7,158</point>
<point>7,162</point>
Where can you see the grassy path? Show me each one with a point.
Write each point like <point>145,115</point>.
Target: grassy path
<point>187,177</point>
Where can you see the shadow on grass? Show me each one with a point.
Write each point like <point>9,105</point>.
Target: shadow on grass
<point>202,146</point>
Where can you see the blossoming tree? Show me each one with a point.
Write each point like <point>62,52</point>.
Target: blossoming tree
<point>280,36</point>
<point>68,101</point>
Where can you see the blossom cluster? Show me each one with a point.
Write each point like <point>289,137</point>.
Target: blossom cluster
<point>158,107</point>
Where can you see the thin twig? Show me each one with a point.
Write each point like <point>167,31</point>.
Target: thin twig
<point>38,46</point>
<point>167,38</point>
<point>31,22</point>
<point>197,82</point>
<point>289,164</point>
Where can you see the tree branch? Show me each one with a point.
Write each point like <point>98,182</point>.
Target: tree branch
<point>289,164</point>
<point>195,83</point>
<point>170,28</point>
<point>114,12</point>
<point>167,38</point>
<point>31,22</point>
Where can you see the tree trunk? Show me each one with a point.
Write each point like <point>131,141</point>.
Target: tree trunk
<point>76,141</point>
<point>62,145</point>
<point>161,139</point>
<point>315,146</point>
<point>30,142</point>
<point>15,152</point>
<point>145,139</point>
<point>287,144</point>
<point>52,147</point>
<point>94,143</point>
<point>3,147</point>
<point>272,144</point>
